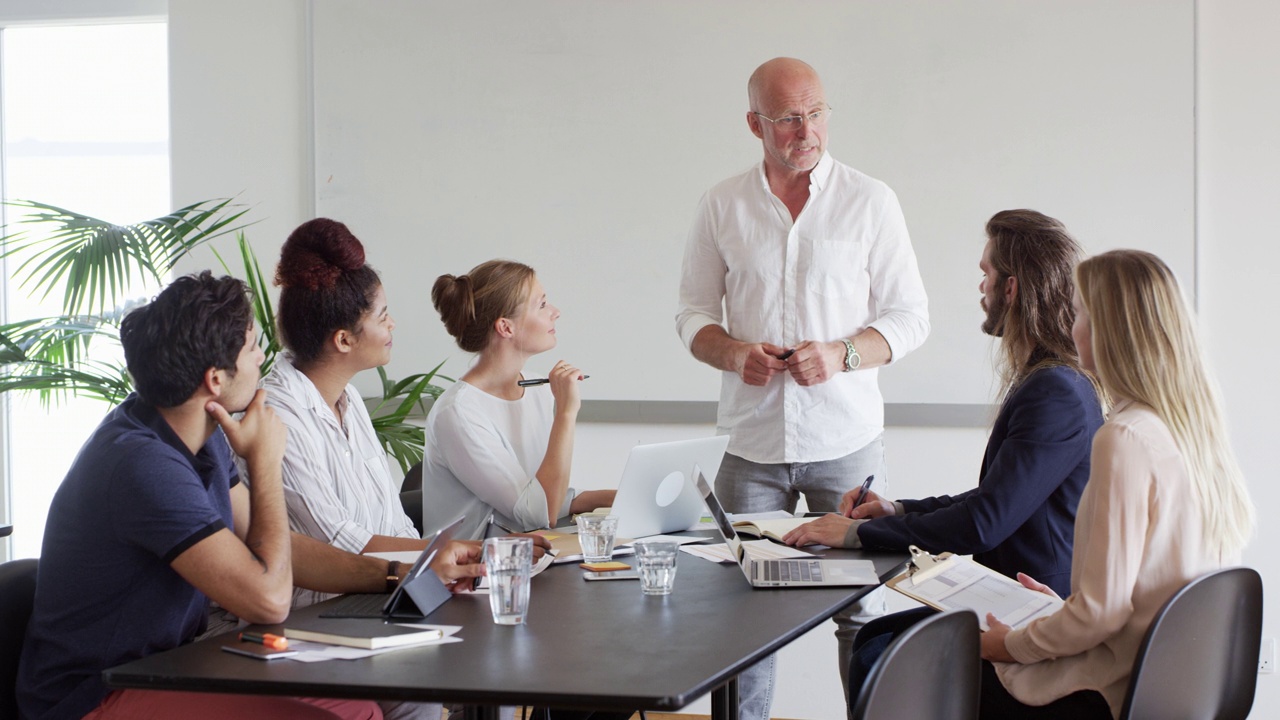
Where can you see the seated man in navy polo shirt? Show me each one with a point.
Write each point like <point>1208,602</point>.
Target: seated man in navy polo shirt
<point>152,522</point>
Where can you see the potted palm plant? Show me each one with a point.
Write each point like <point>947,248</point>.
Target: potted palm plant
<point>102,268</point>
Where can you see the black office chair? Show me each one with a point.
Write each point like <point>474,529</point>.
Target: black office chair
<point>1199,658</point>
<point>17,593</point>
<point>411,495</point>
<point>930,672</point>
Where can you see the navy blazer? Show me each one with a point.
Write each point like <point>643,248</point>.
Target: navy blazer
<point>1021,517</point>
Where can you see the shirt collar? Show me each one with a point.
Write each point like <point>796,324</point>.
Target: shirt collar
<point>818,176</point>
<point>821,172</point>
<point>147,414</point>
<point>293,381</point>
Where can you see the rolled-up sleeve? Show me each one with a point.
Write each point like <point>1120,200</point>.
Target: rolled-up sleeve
<point>702,278</point>
<point>897,290</point>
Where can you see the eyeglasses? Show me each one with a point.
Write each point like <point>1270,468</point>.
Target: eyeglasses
<point>817,118</point>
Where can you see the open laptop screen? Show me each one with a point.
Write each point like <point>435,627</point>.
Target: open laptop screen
<point>719,517</point>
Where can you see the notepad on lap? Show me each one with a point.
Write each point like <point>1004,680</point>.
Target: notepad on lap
<point>366,634</point>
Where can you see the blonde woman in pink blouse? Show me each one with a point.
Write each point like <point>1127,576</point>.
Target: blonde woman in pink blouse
<point>1165,501</point>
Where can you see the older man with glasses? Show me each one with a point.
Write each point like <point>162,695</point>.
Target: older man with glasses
<point>799,281</point>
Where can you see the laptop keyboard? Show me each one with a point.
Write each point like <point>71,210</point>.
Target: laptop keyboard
<point>791,570</point>
<point>357,605</point>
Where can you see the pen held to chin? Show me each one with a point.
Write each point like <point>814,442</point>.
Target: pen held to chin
<point>541,381</point>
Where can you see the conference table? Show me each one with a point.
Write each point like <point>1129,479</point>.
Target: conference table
<point>588,645</point>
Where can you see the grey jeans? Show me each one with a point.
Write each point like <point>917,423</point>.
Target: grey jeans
<point>743,486</point>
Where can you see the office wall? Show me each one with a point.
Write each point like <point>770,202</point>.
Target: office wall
<point>240,107</point>
<point>1239,249</point>
<point>578,136</point>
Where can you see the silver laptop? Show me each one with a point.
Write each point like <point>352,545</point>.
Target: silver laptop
<point>791,572</point>
<point>656,494</point>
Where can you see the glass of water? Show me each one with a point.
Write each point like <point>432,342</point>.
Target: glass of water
<point>508,562</point>
<point>596,533</point>
<point>657,565</point>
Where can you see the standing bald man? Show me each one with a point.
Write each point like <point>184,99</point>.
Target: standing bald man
<point>799,280</point>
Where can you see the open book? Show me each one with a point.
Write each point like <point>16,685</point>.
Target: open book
<point>952,582</point>
<point>772,528</point>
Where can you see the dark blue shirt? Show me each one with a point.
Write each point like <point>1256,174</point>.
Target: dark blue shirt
<point>1021,517</point>
<point>134,499</point>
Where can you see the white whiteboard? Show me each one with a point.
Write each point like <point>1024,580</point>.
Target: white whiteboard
<point>578,135</point>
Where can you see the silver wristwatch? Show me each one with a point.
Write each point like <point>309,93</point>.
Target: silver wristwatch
<point>851,357</point>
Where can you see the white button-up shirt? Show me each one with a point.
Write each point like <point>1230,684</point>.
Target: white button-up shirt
<point>337,486</point>
<point>844,265</point>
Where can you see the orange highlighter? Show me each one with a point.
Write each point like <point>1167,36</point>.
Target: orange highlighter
<point>275,642</point>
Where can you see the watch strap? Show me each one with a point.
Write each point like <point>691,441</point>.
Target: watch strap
<point>852,360</point>
<point>393,575</point>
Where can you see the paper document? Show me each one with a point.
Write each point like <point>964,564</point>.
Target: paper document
<point>757,549</point>
<point>958,583</point>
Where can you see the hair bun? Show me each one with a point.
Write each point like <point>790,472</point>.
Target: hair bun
<point>317,253</point>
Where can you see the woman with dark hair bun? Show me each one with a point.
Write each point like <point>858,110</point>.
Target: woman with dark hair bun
<point>495,447</point>
<point>334,323</point>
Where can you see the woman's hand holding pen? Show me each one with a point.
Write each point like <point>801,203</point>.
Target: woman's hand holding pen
<point>565,381</point>
<point>873,506</point>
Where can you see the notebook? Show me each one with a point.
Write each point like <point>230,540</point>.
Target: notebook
<point>656,493</point>
<point>359,633</point>
<point>417,595</point>
<point>815,572</point>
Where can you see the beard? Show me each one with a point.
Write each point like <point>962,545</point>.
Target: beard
<point>997,311</point>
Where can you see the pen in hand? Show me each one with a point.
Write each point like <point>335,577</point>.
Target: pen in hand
<point>541,381</point>
<point>862,494</point>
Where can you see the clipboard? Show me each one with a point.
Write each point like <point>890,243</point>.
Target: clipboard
<point>953,582</point>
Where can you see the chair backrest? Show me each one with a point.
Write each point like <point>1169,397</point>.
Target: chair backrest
<point>1199,658</point>
<point>17,593</point>
<point>411,501</point>
<point>413,478</point>
<point>930,672</point>
<point>411,495</point>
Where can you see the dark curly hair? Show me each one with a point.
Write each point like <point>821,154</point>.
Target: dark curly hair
<point>196,323</point>
<point>325,286</point>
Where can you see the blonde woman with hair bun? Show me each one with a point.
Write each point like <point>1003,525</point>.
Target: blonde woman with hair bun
<point>1165,502</point>
<point>493,446</point>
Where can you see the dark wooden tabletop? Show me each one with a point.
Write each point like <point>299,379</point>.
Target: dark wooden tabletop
<point>586,644</point>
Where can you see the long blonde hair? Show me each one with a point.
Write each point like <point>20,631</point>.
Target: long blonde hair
<point>1145,348</point>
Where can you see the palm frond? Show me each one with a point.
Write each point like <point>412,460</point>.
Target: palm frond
<point>108,382</point>
<point>403,440</point>
<point>63,341</point>
<point>263,312</point>
<point>96,259</point>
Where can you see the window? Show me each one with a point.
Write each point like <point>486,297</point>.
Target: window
<point>85,123</point>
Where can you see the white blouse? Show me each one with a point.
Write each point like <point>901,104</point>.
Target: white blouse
<point>482,453</point>
<point>337,486</point>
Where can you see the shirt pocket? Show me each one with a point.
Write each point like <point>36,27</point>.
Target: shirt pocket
<point>833,268</point>
<point>375,472</point>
